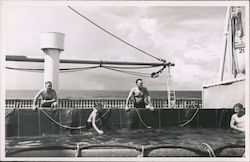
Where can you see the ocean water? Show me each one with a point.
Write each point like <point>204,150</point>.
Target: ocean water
<point>79,94</point>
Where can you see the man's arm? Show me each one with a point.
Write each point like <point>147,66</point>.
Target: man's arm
<point>55,96</point>
<point>128,98</point>
<point>94,124</point>
<point>147,95</point>
<point>148,100</point>
<point>36,98</point>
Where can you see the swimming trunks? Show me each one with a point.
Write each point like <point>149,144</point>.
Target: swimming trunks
<point>140,105</point>
<point>47,104</point>
<point>88,125</point>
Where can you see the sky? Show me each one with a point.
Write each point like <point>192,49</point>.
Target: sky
<point>190,37</point>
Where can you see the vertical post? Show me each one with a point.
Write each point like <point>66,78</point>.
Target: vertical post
<point>230,48</point>
<point>225,42</point>
<point>52,44</point>
<point>51,66</point>
<point>168,87</point>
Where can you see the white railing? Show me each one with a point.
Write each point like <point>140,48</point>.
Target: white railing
<point>181,103</point>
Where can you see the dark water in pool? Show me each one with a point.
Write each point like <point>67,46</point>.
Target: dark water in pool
<point>174,136</point>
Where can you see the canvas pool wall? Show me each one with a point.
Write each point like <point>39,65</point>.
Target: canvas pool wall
<point>27,122</point>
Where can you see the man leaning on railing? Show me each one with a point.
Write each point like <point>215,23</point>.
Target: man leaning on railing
<point>141,97</point>
<point>49,96</point>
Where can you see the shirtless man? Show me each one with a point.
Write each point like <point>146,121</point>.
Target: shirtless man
<point>238,119</point>
<point>91,122</point>
<point>141,97</point>
<point>49,96</point>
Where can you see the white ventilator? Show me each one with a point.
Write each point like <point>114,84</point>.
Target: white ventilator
<point>52,43</point>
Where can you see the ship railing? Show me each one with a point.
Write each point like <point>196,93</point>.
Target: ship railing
<point>181,103</point>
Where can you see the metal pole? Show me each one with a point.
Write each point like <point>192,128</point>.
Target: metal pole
<point>225,41</point>
<point>168,87</point>
<point>230,47</point>
<point>26,59</point>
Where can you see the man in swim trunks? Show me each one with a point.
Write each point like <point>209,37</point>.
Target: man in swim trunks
<point>141,96</point>
<point>49,96</point>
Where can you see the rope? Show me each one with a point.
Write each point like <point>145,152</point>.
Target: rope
<point>25,69</point>
<point>11,112</point>
<point>191,118</point>
<point>114,35</point>
<point>69,127</point>
<point>129,72</point>
<point>61,70</point>
<point>209,150</point>
<point>134,67</point>
<point>113,68</point>
<point>77,69</point>
<point>77,151</point>
<point>145,125</point>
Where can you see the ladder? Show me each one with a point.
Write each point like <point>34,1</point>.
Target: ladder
<point>170,90</point>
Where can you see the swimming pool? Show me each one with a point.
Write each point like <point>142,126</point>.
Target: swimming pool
<point>167,142</point>
<point>34,135</point>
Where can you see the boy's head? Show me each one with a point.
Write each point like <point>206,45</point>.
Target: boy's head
<point>98,106</point>
<point>238,108</point>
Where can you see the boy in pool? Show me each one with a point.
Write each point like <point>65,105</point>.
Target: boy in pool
<point>238,119</point>
<point>91,122</point>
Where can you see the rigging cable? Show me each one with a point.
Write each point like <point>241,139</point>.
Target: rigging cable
<point>113,68</point>
<point>129,72</point>
<point>159,59</point>
<point>61,70</point>
<point>134,67</point>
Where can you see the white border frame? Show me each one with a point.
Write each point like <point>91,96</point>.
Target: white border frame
<point>5,3</point>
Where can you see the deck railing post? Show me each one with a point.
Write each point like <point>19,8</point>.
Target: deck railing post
<point>107,103</point>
